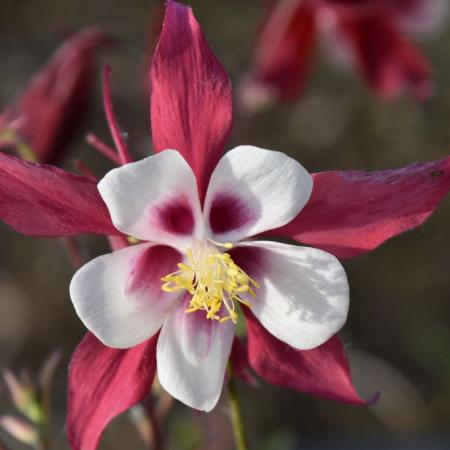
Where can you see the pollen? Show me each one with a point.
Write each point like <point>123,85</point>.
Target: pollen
<point>214,281</point>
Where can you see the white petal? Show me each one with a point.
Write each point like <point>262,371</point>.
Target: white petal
<point>304,295</point>
<point>154,199</point>
<point>118,296</point>
<point>253,190</point>
<point>192,355</point>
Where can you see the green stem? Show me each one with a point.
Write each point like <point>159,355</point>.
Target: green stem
<point>235,413</point>
<point>44,433</point>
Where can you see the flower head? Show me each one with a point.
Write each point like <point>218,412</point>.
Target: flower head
<point>194,266</point>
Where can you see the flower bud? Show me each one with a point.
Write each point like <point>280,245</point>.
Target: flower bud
<point>43,119</point>
<point>22,431</point>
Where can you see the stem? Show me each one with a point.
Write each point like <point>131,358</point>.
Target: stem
<point>43,443</point>
<point>73,252</point>
<point>43,428</point>
<point>142,424</point>
<point>46,384</point>
<point>154,423</point>
<point>147,425</point>
<point>84,170</point>
<point>165,405</point>
<point>235,413</point>
<point>122,147</point>
<point>103,148</point>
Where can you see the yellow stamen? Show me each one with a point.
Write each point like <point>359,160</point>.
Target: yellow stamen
<point>227,245</point>
<point>132,240</point>
<point>213,279</point>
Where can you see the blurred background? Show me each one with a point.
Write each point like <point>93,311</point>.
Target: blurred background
<point>398,333</point>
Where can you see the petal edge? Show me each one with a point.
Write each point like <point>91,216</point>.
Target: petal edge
<point>42,200</point>
<point>322,372</point>
<point>339,219</point>
<point>104,382</point>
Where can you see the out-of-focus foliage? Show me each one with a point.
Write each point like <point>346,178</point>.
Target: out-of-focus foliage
<point>399,325</point>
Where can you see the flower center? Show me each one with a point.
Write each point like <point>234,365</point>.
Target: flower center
<point>213,279</point>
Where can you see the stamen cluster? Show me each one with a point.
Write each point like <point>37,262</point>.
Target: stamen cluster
<point>213,279</point>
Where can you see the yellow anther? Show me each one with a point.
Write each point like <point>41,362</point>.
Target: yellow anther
<point>227,245</point>
<point>132,240</point>
<point>213,279</point>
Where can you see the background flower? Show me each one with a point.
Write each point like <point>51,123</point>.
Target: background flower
<point>370,35</point>
<point>40,123</point>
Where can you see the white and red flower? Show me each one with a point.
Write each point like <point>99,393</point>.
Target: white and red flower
<point>348,214</point>
<point>196,266</point>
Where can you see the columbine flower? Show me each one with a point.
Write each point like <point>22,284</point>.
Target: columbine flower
<point>348,214</point>
<point>196,266</point>
<point>41,122</point>
<point>369,34</point>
